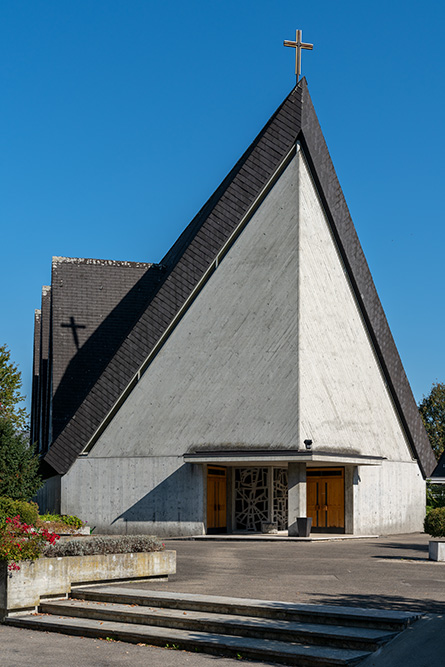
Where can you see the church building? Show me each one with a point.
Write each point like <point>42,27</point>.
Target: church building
<point>248,379</point>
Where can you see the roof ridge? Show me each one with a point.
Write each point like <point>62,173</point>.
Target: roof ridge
<point>56,260</point>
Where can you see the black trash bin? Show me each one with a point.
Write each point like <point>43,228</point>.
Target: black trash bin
<point>304,525</point>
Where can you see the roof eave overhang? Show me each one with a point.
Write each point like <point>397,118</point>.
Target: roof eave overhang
<point>280,457</point>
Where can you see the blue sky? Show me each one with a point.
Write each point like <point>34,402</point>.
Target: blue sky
<point>118,119</point>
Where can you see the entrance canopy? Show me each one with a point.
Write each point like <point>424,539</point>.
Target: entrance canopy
<point>278,457</point>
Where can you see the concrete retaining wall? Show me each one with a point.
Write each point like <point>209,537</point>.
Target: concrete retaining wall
<point>49,577</point>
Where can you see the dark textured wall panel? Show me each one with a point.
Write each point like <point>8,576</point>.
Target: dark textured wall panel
<point>95,303</point>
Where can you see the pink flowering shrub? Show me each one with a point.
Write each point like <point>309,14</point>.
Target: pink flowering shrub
<point>22,541</point>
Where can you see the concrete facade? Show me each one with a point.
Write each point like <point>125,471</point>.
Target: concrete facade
<point>233,356</point>
<point>137,495</point>
<point>344,403</point>
<point>274,350</point>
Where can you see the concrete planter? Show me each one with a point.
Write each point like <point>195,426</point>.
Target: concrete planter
<point>270,528</point>
<point>68,530</point>
<point>54,577</point>
<point>83,530</point>
<point>437,550</point>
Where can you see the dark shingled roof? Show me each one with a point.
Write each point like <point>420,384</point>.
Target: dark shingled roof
<point>439,470</point>
<point>44,366</point>
<point>193,253</point>
<point>94,305</point>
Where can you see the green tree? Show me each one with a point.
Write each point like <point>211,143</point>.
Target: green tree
<point>19,464</point>
<point>19,478</point>
<point>432,411</point>
<point>10,396</point>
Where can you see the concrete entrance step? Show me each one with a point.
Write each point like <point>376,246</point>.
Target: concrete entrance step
<point>361,639</point>
<point>246,647</point>
<point>307,613</point>
<point>270,537</point>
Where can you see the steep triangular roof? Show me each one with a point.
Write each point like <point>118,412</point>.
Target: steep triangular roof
<point>439,470</point>
<point>195,254</point>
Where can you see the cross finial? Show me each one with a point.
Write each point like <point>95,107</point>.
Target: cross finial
<point>298,45</point>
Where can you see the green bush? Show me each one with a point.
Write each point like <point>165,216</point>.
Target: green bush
<point>434,523</point>
<point>435,494</point>
<point>91,546</point>
<point>72,521</point>
<point>28,512</point>
<point>19,464</point>
<point>9,508</point>
<point>67,519</point>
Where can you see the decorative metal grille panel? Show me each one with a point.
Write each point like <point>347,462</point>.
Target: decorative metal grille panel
<point>253,503</point>
<point>251,498</point>
<point>280,497</point>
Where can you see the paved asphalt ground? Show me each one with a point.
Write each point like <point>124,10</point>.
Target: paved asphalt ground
<point>391,572</point>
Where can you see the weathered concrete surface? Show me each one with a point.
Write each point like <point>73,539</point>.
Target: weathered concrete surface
<point>344,403</point>
<point>131,495</point>
<point>392,572</point>
<point>227,375</point>
<point>54,576</point>
<point>297,497</point>
<point>18,648</point>
<point>389,499</point>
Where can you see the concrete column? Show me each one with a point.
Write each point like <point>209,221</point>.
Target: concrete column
<point>350,479</point>
<point>296,495</point>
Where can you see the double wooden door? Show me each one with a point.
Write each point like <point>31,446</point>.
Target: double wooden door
<point>326,498</point>
<point>216,500</point>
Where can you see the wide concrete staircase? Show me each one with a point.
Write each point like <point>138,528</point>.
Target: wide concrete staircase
<point>281,632</point>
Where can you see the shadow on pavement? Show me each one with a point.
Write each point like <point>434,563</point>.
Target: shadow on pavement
<point>404,547</point>
<point>392,602</point>
<point>407,558</point>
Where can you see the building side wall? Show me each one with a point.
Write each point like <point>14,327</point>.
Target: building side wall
<point>164,496</point>
<point>35,428</point>
<point>345,406</point>
<point>150,495</point>
<point>43,409</point>
<point>389,499</point>
<point>48,497</point>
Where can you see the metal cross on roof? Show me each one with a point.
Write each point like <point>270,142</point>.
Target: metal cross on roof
<point>298,45</point>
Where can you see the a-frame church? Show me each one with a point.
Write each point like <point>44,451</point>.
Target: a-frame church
<point>250,378</point>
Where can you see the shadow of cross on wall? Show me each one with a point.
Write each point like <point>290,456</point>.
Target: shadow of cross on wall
<point>73,326</point>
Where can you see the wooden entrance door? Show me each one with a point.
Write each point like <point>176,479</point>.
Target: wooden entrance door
<point>216,500</point>
<point>326,499</point>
